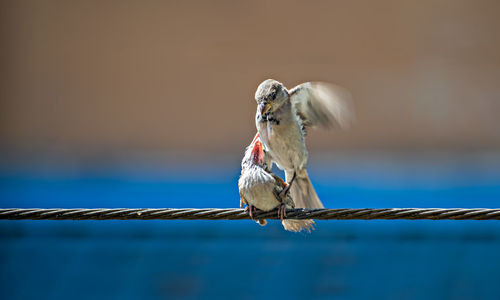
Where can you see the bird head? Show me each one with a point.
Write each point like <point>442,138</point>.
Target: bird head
<point>270,96</point>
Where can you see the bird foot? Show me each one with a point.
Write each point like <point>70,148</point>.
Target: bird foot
<point>251,210</point>
<point>282,211</point>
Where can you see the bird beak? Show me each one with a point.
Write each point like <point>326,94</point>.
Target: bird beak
<point>264,108</point>
<point>258,153</point>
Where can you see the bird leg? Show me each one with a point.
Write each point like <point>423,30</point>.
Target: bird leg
<point>288,186</point>
<point>282,206</point>
<point>243,200</point>
<point>250,209</point>
<point>282,211</point>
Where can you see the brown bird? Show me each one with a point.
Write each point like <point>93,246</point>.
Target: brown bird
<point>259,187</point>
<point>282,118</point>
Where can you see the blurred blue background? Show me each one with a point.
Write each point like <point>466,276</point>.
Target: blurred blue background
<point>228,259</point>
<point>150,104</point>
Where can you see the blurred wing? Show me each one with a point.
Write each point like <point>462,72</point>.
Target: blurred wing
<point>322,104</point>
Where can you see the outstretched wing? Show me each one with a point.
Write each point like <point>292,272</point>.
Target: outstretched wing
<point>322,104</point>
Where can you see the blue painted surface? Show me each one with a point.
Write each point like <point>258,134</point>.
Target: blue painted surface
<point>239,259</point>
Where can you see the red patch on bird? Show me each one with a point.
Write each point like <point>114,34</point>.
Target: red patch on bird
<point>258,151</point>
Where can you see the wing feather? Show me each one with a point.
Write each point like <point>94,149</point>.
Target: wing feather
<point>321,104</point>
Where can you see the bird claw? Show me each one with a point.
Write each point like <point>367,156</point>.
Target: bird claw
<point>250,209</point>
<point>282,211</point>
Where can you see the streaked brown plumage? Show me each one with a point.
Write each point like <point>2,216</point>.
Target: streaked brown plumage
<point>259,187</point>
<point>282,118</point>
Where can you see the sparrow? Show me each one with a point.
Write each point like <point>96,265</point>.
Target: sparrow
<point>282,119</point>
<point>259,187</point>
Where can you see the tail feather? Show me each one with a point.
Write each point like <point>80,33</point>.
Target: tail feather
<point>304,196</point>
<point>298,225</point>
<point>303,193</point>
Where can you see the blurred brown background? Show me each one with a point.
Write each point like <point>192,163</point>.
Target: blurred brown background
<point>100,78</point>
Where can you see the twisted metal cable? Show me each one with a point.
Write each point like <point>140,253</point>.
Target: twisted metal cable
<point>240,214</point>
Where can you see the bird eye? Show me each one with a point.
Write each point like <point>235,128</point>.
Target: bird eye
<point>273,95</point>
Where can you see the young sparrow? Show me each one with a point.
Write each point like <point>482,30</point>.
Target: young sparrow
<point>282,118</point>
<point>259,187</point>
